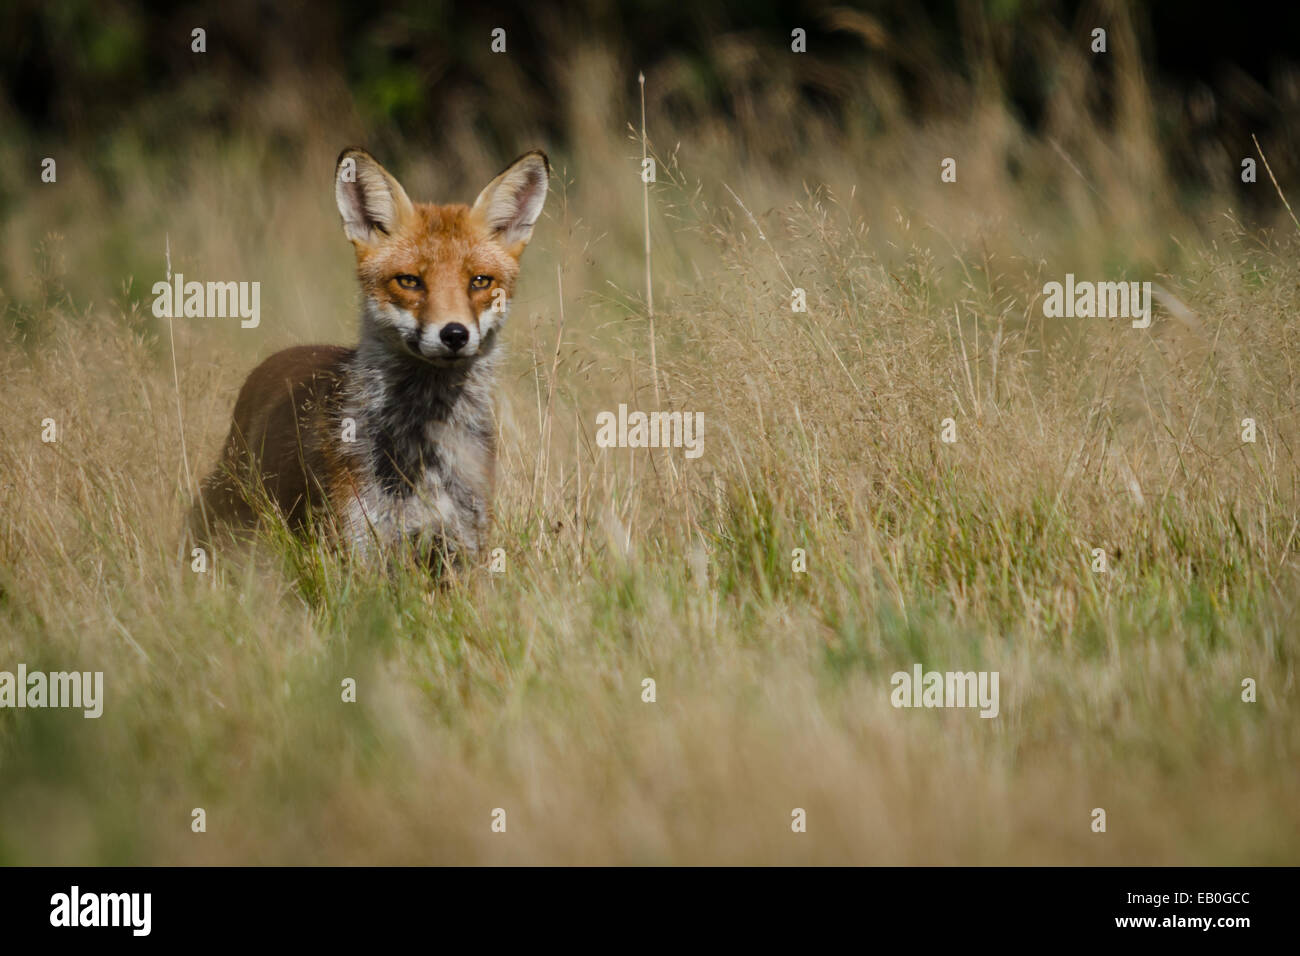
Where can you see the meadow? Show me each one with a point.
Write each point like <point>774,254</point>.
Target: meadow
<point>523,689</point>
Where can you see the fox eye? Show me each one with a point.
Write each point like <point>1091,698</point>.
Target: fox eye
<point>409,282</point>
<point>480,282</point>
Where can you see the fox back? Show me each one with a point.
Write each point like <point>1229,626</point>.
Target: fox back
<point>393,439</point>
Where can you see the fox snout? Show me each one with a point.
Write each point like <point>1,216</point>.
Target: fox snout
<point>454,335</point>
<point>448,341</point>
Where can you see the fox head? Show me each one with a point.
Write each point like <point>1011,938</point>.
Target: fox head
<point>437,280</point>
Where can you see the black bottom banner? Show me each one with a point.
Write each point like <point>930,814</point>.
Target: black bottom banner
<point>334,905</point>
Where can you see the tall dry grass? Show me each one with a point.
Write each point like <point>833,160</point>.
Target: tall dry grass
<point>523,690</point>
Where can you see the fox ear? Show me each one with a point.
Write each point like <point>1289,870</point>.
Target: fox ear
<point>368,196</point>
<point>510,204</point>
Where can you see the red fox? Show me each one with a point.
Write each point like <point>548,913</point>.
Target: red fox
<point>392,440</point>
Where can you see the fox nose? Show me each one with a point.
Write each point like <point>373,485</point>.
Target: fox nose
<point>454,336</point>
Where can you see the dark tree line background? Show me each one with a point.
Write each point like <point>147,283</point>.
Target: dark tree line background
<point>76,70</point>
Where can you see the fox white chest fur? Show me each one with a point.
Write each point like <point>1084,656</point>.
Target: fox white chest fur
<point>423,454</point>
<point>392,440</point>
